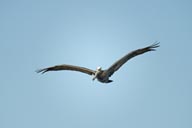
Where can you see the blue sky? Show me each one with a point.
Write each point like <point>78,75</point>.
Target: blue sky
<point>150,91</point>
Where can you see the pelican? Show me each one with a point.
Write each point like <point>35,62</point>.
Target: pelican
<point>99,74</point>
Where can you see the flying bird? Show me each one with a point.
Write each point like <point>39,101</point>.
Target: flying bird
<point>99,74</point>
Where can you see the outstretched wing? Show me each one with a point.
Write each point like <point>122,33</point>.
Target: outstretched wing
<point>130,55</point>
<point>67,67</point>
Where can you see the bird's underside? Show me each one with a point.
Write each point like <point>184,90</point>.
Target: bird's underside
<point>99,74</point>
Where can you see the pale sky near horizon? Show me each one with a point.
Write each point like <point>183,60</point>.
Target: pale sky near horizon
<point>152,90</point>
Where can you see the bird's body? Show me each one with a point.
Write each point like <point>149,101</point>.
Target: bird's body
<point>103,76</point>
<point>99,74</point>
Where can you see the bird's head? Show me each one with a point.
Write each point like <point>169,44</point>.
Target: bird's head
<point>98,70</point>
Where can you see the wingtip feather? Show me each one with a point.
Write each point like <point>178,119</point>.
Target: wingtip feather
<point>42,71</point>
<point>153,46</point>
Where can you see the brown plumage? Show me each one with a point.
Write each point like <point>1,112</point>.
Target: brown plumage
<point>102,75</point>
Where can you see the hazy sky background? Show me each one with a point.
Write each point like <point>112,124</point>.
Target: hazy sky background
<point>150,91</point>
